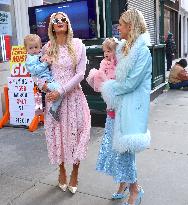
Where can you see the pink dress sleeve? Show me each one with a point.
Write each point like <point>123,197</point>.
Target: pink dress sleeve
<point>79,75</point>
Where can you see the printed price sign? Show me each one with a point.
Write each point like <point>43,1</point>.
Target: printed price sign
<point>17,63</point>
<point>21,100</point>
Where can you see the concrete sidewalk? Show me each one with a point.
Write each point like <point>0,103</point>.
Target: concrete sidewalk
<point>26,178</point>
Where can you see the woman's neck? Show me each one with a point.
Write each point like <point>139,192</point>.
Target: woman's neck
<point>61,39</point>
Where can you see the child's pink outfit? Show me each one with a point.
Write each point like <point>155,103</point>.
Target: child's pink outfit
<point>67,140</point>
<point>105,72</point>
<point>97,77</point>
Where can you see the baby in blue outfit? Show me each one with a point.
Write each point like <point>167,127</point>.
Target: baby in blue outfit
<point>39,69</point>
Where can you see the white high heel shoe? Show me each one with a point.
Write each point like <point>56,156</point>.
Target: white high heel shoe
<point>72,189</point>
<point>63,186</point>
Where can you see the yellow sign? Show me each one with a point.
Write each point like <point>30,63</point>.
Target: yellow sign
<point>17,63</point>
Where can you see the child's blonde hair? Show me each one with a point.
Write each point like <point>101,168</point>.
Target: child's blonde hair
<point>32,38</point>
<point>109,43</point>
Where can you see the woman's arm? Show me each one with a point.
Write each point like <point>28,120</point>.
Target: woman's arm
<point>79,75</point>
<point>111,89</point>
<point>135,76</point>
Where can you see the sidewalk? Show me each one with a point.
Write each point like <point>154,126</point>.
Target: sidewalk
<point>26,178</point>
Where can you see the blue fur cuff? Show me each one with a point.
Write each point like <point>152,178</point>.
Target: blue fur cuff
<point>131,143</point>
<point>108,94</point>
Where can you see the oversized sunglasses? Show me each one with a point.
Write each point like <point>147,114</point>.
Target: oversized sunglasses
<point>59,20</point>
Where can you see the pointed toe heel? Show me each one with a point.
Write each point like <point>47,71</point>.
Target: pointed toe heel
<point>138,199</point>
<point>72,189</point>
<point>63,187</point>
<point>120,195</point>
<point>140,196</point>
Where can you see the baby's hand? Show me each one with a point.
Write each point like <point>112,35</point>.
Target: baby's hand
<point>47,59</point>
<point>45,87</point>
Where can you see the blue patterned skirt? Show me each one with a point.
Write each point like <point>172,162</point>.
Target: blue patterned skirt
<point>121,166</point>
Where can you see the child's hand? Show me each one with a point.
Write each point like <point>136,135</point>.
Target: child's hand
<point>45,87</point>
<point>47,59</point>
<point>52,96</point>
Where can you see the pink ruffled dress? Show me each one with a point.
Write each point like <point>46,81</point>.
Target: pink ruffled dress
<point>67,140</point>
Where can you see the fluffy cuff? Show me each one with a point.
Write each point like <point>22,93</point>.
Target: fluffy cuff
<point>90,78</point>
<point>108,94</point>
<point>132,143</point>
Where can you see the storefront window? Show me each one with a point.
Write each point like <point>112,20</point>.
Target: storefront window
<point>166,22</point>
<point>117,8</point>
<point>6,30</point>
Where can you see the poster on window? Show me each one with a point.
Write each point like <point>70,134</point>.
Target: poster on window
<point>21,100</point>
<point>5,23</point>
<point>17,62</point>
<point>115,32</point>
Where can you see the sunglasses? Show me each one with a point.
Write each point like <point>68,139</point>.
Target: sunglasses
<point>60,20</point>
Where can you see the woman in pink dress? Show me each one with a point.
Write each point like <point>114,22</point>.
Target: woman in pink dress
<point>67,139</point>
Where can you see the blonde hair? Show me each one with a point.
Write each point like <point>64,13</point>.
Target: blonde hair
<point>109,43</point>
<point>32,38</point>
<point>53,48</point>
<point>136,19</point>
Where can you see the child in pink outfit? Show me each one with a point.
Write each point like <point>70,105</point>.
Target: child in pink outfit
<point>106,70</point>
<point>107,66</point>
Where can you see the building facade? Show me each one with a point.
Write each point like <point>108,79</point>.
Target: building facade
<point>183,28</point>
<point>171,19</point>
<point>14,23</point>
<point>108,13</point>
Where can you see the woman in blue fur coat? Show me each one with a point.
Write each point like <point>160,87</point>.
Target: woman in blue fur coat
<point>129,96</point>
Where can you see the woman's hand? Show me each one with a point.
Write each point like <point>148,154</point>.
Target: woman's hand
<point>52,96</point>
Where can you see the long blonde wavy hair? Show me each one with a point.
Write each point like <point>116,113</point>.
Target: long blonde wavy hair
<point>138,26</point>
<point>53,49</point>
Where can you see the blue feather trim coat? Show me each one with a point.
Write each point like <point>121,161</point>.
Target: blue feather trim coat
<point>129,95</point>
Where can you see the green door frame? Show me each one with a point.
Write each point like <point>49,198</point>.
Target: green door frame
<point>161,22</point>
<point>108,18</point>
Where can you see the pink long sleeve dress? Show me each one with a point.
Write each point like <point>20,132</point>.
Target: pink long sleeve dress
<point>67,140</point>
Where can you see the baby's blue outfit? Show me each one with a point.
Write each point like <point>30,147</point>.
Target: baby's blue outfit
<point>41,70</point>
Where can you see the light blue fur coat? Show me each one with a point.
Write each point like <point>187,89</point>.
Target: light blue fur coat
<point>129,95</point>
